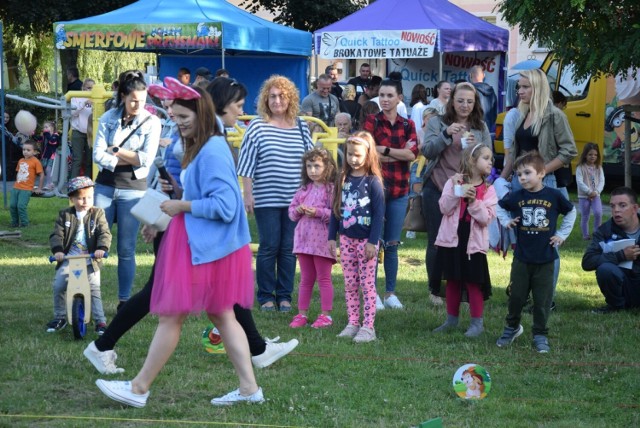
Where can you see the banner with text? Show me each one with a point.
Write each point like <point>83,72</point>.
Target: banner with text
<point>455,66</point>
<point>137,37</point>
<point>378,44</point>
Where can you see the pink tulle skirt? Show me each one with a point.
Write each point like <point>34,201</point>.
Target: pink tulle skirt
<point>179,287</point>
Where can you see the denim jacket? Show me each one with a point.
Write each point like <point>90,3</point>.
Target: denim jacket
<point>144,141</point>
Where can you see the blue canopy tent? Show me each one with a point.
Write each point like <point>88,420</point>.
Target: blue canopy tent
<point>456,31</point>
<point>197,33</point>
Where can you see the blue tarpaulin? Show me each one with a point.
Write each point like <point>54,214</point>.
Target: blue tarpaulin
<point>242,31</point>
<point>252,48</point>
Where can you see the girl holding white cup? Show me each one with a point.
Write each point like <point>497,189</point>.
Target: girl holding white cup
<point>443,147</point>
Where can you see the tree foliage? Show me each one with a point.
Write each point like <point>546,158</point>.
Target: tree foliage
<point>308,15</point>
<point>104,67</point>
<point>38,16</point>
<point>31,49</point>
<point>28,34</point>
<point>598,36</point>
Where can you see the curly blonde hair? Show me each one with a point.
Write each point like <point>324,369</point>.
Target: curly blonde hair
<point>289,93</point>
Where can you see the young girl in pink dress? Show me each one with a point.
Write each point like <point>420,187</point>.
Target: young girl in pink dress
<point>311,209</point>
<point>468,205</point>
<point>204,260</point>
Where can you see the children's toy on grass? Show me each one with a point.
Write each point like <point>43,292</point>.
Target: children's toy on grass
<point>471,382</point>
<point>78,293</point>
<point>212,341</point>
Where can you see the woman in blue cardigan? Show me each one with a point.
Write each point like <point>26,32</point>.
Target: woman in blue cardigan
<point>192,274</point>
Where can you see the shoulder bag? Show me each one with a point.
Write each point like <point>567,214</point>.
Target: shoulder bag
<point>414,220</point>
<point>564,175</point>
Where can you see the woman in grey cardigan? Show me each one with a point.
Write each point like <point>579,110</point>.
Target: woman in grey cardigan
<point>463,118</point>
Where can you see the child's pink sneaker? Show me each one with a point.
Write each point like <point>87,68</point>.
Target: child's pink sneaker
<point>323,321</point>
<point>298,321</point>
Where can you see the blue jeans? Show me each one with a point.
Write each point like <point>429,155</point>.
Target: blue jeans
<point>394,213</point>
<point>275,262</point>
<point>549,180</point>
<point>117,205</point>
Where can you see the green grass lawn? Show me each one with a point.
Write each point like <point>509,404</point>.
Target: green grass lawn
<point>589,379</point>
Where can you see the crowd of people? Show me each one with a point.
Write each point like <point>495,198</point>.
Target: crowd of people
<point>311,212</point>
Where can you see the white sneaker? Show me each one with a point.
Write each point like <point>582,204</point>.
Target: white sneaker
<point>273,352</point>
<point>104,362</point>
<point>235,397</point>
<point>120,391</point>
<point>436,300</point>
<point>349,331</point>
<point>365,335</point>
<point>392,302</point>
<point>379,304</point>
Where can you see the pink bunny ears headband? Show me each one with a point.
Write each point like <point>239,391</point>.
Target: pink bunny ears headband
<point>173,90</point>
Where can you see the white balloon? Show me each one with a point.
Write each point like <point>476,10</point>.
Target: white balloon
<point>26,122</point>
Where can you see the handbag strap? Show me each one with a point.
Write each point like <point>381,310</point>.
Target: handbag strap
<point>299,121</point>
<point>553,129</point>
<point>133,132</point>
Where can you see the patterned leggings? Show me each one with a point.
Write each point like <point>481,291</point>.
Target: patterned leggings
<point>358,273</point>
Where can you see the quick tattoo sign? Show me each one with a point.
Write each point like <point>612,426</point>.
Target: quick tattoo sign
<point>138,37</point>
<point>378,44</point>
<point>455,66</point>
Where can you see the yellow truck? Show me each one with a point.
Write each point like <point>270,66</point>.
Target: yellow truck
<point>594,110</point>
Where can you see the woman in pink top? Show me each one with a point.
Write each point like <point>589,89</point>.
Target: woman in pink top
<point>311,208</point>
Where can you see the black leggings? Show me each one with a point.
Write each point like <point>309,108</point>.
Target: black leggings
<point>137,307</point>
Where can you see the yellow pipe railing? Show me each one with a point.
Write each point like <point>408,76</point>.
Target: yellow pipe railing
<point>98,97</point>
<point>328,139</point>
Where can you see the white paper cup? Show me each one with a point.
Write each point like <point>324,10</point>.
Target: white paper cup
<point>463,142</point>
<point>459,190</point>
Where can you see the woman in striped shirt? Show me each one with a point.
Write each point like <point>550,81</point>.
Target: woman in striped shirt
<point>269,164</point>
